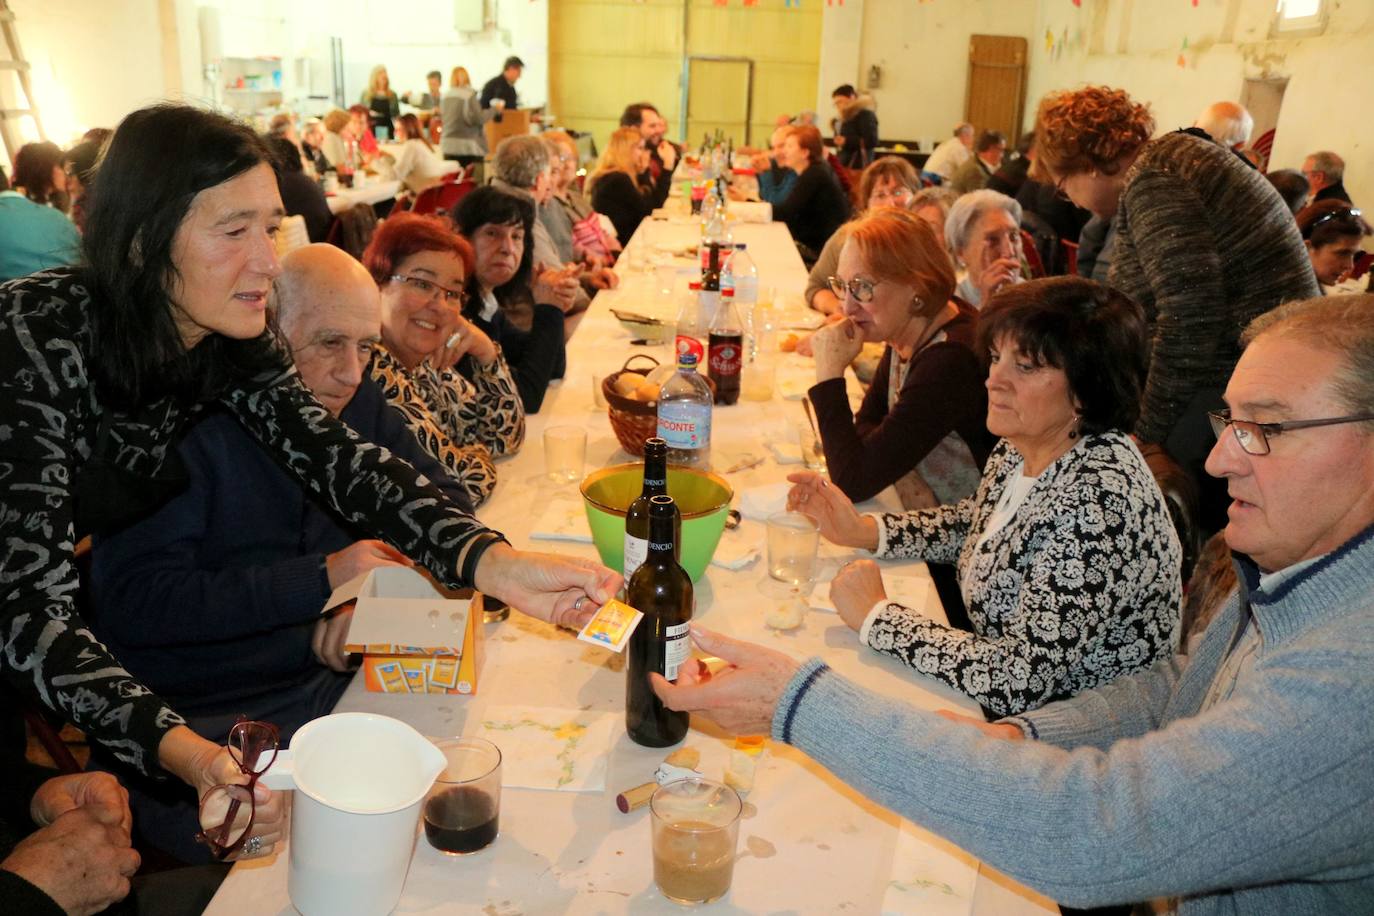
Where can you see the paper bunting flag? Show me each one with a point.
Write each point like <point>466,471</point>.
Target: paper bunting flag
<point>1182,52</point>
<point>1049,40</point>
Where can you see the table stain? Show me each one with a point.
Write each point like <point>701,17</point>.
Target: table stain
<point>823,847</point>
<point>760,848</point>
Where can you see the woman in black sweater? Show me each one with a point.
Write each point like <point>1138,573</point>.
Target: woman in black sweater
<point>501,297</point>
<point>105,366</point>
<point>619,186</point>
<point>817,205</point>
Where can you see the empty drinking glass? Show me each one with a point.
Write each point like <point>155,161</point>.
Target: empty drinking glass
<point>565,452</point>
<point>793,542</point>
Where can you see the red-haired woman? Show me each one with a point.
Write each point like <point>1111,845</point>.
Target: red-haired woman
<point>1203,242</point>
<point>441,371</point>
<point>817,205</point>
<point>922,423</point>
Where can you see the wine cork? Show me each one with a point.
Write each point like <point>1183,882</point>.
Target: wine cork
<point>637,797</point>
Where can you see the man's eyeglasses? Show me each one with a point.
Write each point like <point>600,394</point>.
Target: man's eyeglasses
<point>1254,437</point>
<point>1347,213</point>
<point>430,288</point>
<point>253,746</point>
<point>859,288</point>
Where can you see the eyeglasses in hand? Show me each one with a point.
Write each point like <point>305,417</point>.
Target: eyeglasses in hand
<point>1254,437</point>
<point>430,288</point>
<point>253,746</point>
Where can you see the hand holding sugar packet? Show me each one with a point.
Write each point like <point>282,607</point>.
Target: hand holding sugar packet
<point>611,626</point>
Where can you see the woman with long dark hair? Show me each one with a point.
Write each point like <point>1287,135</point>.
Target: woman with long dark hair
<point>105,365</point>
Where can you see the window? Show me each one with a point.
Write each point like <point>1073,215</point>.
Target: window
<point>1295,18</point>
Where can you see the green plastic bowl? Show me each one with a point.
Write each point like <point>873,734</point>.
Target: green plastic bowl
<point>703,499</point>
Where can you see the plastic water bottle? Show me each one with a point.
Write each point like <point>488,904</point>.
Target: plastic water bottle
<point>693,325</point>
<point>684,415</point>
<point>741,276</point>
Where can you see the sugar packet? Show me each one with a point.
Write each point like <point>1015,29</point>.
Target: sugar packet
<point>611,626</point>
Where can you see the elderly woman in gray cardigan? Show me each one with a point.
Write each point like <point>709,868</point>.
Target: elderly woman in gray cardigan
<point>1230,779</point>
<point>1066,555</point>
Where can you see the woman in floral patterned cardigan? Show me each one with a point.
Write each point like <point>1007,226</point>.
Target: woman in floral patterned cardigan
<point>1067,557</point>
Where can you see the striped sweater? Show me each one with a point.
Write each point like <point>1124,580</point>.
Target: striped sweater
<point>1204,243</point>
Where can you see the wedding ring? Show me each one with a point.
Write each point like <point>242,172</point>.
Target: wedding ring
<point>253,846</point>
<point>454,338</point>
<point>577,605</point>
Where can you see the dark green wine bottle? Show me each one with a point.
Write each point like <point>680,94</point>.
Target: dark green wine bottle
<point>637,516</point>
<point>662,591</point>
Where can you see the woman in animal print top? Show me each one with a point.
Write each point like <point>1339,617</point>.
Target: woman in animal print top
<point>107,363</point>
<point>440,370</point>
<point>1067,556</point>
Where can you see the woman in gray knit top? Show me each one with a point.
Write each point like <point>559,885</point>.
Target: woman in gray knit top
<point>1203,242</point>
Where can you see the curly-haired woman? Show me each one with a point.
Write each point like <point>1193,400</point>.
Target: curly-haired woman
<point>1203,242</point>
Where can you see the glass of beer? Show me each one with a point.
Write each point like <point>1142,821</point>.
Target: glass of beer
<point>463,810</point>
<point>695,824</point>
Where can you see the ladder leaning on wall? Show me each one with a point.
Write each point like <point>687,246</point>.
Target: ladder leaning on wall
<point>9,117</point>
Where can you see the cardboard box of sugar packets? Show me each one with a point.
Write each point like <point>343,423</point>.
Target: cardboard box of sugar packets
<point>414,638</point>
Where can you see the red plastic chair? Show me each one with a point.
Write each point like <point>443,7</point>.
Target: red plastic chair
<point>442,198</point>
<point>1363,261</point>
<point>1070,257</point>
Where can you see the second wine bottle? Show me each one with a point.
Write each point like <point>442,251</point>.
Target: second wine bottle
<point>662,591</point>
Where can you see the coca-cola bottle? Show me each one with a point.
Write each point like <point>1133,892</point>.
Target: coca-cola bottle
<point>726,350</point>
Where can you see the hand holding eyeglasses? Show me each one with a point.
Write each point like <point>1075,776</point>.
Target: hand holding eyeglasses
<point>238,816</point>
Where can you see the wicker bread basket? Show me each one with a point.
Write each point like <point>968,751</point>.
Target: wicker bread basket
<point>633,421</point>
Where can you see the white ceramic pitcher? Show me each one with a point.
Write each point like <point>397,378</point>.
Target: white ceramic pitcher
<point>360,780</point>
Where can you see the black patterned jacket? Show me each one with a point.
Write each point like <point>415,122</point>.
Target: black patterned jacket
<point>1080,587</point>
<point>50,420</point>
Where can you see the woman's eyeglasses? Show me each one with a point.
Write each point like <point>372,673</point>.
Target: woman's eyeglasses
<point>429,288</point>
<point>1254,437</point>
<point>1060,192</point>
<point>253,747</point>
<point>859,288</point>
<point>1347,213</point>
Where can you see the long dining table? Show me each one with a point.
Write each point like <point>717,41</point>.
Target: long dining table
<point>808,843</point>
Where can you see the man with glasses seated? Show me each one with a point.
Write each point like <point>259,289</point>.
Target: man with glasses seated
<point>1232,778</point>
<point>215,600</point>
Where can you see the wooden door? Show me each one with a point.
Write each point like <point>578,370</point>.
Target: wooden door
<point>996,98</point>
<point>719,94</point>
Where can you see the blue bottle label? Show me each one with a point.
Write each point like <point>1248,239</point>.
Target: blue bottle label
<point>684,424</point>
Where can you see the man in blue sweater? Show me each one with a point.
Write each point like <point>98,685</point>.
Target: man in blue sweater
<point>215,600</point>
<point>1234,778</point>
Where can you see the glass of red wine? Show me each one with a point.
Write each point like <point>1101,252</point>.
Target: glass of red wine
<point>463,810</point>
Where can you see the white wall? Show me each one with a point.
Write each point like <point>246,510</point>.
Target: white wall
<point>93,62</point>
<point>1131,45</point>
<point>410,38</point>
<point>922,49</point>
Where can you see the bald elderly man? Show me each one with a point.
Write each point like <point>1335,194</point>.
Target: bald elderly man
<point>214,601</point>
